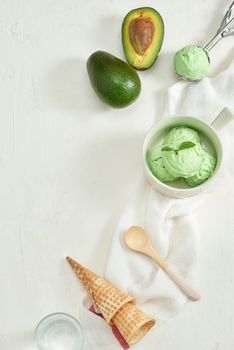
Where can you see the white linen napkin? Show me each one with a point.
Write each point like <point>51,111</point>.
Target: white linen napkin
<point>166,220</point>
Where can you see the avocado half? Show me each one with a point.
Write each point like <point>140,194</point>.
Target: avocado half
<point>142,36</point>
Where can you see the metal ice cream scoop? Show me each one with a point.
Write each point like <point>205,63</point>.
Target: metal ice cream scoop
<point>224,29</point>
<point>192,62</point>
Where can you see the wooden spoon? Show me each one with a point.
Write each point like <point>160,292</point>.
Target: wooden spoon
<point>137,239</point>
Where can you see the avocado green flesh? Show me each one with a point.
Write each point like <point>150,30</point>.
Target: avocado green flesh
<point>114,81</point>
<point>134,58</point>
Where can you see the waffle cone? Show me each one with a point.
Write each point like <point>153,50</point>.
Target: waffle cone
<point>132,323</point>
<point>107,297</point>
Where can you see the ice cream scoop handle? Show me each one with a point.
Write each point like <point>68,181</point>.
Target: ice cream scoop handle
<point>213,42</point>
<point>182,283</point>
<point>217,37</point>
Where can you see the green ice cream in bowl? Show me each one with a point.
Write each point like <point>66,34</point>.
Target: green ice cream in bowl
<point>182,156</point>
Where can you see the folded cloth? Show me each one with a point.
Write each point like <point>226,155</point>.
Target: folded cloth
<point>168,221</point>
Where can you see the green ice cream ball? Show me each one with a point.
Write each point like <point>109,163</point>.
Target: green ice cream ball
<point>192,62</point>
<point>157,167</point>
<point>204,172</point>
<point>183,163</point>
<point>181,134</point>
<point>155,153</point>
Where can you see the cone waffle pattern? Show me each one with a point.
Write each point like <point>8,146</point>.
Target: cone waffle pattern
<point>108,298</point>
<point>132,323</point>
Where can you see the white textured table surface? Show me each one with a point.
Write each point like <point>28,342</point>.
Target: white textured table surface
<point>67,163</point>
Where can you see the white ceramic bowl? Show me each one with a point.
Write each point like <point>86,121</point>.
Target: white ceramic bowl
<point>209,138</point>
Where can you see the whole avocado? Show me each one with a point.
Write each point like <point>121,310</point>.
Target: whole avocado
<point>114,81</point>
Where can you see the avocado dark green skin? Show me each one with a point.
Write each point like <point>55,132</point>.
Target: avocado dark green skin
<point>114,81</point>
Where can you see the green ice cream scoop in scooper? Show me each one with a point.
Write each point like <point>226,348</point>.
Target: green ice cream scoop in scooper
<point>192,62</point>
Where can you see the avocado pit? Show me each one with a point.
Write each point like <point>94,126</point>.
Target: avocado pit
<point>141,32</point>
<point>142,37</point>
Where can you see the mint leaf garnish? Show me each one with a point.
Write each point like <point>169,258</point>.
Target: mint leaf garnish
<point>186,144</point>
<point>166,148</point>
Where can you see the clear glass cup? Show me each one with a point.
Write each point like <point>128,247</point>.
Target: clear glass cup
<point>59,331</point>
